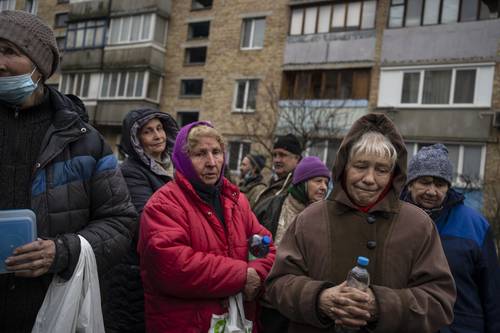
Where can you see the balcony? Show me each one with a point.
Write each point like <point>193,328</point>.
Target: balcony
<point>139,56</point>
<point>82,59</point>
<point>134,6</point>
<point>80,11</point>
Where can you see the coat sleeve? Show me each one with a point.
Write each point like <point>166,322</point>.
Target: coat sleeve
<point>111,218</point>
<point>489,284</point>
<point>426,305</point>
<point>173,267</point>
<point>138,186</point>
<point>289,287</point>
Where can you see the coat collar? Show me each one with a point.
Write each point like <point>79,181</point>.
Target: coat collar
<point>228,189</point>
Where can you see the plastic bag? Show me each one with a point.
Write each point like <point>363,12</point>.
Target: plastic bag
<point>73,305</point>
<point>234,321</point>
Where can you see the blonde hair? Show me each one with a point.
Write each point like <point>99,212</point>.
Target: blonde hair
<point>197,132</point>
<point>374,143</point>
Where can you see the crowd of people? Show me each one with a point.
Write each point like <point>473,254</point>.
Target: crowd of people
<point>170,232</point>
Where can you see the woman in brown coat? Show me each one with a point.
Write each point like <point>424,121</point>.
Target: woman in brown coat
<point>412,288</point>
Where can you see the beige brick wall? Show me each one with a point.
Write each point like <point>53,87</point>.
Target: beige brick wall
<point>380,25</point>
<point>225,61</point>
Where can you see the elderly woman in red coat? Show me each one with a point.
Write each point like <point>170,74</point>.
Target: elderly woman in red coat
<point>193,240</point>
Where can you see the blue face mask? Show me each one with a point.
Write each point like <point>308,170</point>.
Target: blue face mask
<point>14,90</point>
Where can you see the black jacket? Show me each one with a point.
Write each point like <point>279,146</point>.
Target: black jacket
<point>124,306</point>
<point>77,188</point>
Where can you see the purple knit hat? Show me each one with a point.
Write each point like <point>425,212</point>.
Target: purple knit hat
<point>310,167</point>
<point>180,158</point>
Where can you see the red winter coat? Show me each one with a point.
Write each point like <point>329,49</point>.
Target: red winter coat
<point>190,262</point>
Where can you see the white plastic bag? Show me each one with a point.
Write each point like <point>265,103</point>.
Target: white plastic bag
<point>234,321</point>
<point>73,305</point>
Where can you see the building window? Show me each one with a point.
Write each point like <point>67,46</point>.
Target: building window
<point>62,1</point>
<point>201,4</point>
<point>245,96</point>
<point>60,20</point>
<point>237,150</point>
<point>85,34</point>
<point>326,150</point>
<point>330,18</point>
<point>137,28</point>
<point>7,5</point>
<point>439,86</point>
<point>407,13</point>
<point>131,85</point>
<point>198,30</point>
<point>468,162</point>
<point>252,34</point>
<point>31,6</point>
<point>187,117</point>
<point>77,84</point>
<point>191,87</point>
<point>60,43</point>
<point>328,84</point>
<point>195,55</point>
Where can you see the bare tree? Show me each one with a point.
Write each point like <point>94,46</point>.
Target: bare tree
<point>310,121</point>
<point>491,207</point>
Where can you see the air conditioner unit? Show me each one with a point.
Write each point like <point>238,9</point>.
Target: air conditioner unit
<point>496,119</point>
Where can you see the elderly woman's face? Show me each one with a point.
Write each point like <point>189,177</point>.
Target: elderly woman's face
<point>207,158</point>
<point>367,176</point>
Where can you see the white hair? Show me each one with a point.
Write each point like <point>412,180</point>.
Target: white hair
<point>374,143</point>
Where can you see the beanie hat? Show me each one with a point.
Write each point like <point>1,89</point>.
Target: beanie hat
<point>33,37</point>
<point>431,161</point>
<point>310,167</point>
<point>289,143</point>
<point>258,161</point>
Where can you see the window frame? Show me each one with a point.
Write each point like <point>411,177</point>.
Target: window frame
<point>83,77</point>
<point>340,81</point>
<point>243,145</point>
<point>86,29</point>
<point>8,4</point>
<point>203,8</point>
<point>190,29</point>
<point>451,96</point>
<point>121,19</point>
<point>186,56</point>
<point>245,108</point>
<point>303,9</point>
<point>404,4</point>
<point>57,16</point>
<point>187,96</point>
<point>252,33</point>
<point>144,89</point>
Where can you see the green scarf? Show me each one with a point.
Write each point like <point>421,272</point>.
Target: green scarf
<point>298,191</point>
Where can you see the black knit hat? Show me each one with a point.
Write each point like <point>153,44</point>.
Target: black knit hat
<point>33,37</point>
<point>258,161</point>
<point>289,143</point>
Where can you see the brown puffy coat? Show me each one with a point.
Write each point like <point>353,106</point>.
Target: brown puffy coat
<point>409,273</point>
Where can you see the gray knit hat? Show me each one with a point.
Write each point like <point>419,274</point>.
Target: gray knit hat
<point>431,161</point>
<point>33,37</point>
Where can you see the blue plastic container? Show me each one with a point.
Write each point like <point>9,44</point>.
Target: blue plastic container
<point>17,227</point>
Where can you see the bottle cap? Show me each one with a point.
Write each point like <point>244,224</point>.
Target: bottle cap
<point>363,261</point>
<point>266,240</point>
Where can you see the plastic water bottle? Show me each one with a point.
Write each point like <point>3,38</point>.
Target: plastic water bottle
<point>359,278</point>
<point>258,246</point>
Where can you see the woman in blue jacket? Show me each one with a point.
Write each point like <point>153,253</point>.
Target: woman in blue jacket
<point>467,240</point>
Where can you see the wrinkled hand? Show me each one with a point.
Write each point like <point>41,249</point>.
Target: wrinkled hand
<point>252,285</point>
<point>347,306</point>
<point>32,259</point>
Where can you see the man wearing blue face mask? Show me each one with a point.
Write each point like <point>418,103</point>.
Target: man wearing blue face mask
<point>54,163</point>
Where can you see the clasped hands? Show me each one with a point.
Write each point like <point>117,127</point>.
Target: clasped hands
<point>348,306</point>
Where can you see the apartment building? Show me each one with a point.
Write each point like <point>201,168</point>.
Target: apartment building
<point>439,82</point>
<point>431,65</point>
<point>114,58</point>
<point>222,58</point>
